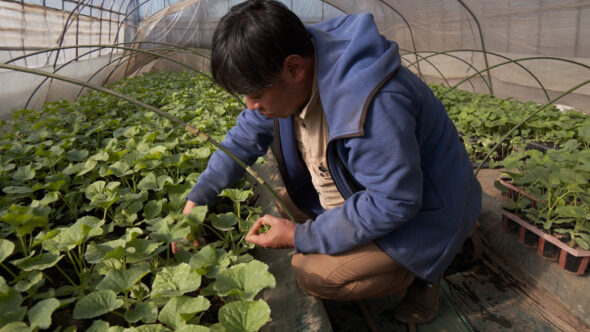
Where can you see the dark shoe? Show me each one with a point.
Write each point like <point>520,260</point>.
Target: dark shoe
<point>420,304</point>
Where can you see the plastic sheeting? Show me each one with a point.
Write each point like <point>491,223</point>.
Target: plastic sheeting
<point>479,37</point>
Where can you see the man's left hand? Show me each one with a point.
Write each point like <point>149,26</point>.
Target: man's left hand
<point>280,235</point>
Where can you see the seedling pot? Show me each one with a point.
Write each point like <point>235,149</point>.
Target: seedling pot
<point>548,250</point>
<point>573,264</point>
<point>528,238</point>
<point>510,226</point>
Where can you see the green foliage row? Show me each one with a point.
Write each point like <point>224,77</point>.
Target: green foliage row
<point>482,120</point>
<point>559,178</point>
<point>91,197</point>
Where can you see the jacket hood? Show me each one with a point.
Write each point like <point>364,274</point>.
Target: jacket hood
<point>352,58</point>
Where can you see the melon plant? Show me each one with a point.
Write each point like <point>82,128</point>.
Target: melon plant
<point>91,197</point>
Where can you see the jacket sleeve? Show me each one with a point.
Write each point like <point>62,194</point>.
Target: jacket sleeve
<point>386,161</point>
<point>249,139</point>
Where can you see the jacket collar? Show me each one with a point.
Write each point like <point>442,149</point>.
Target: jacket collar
<point>352,60</point>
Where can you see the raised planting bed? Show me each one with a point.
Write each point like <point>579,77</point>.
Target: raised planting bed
<point>90,206</point>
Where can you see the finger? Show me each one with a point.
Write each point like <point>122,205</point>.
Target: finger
<point>255,227</point>
<point>253,232</point>
<point>269,220</point>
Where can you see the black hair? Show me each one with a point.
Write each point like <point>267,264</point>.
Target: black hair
<point>251,42</point>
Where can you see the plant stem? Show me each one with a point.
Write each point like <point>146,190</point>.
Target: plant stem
<point>118,313</point>
<point>23,245</point>
<point>81,257</point>
<point>126,301</point>
<point>9,271</point>
<point>214,231</point>
<point>67,277</point>
<point>46,276</point>
<point>237,209</point>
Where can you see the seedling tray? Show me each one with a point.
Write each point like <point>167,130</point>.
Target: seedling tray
<point>570,259</point>
<point>513,192</point>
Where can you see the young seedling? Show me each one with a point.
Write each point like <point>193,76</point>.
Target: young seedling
<point>264,229</point>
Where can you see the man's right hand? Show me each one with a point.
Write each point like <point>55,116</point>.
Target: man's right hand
<point>188,207</point>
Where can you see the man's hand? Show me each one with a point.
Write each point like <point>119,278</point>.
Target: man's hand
<point>280,235</point>
<point>188,207</point>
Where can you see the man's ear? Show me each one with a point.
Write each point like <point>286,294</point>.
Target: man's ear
<point>294,67</point>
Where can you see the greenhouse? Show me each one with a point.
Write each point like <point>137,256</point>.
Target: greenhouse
<point>309,165</point>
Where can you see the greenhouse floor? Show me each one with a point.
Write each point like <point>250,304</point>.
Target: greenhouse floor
<point>510,288</point>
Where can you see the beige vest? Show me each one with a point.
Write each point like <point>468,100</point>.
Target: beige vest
<point>311,133</point>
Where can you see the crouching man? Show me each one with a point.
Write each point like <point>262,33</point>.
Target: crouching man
<point>366,151</point>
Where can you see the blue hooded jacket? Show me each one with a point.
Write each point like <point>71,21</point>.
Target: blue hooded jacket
<point>393,153</point>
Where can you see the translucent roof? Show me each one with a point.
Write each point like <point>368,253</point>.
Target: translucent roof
<point>550,40</point>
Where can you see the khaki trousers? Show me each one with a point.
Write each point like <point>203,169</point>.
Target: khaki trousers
<point>363,272</point>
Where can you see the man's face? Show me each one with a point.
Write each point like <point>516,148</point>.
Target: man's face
<point>280,100</point>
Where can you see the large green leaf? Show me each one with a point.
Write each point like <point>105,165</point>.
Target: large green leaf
<point>25,219</point>
<point>76,155</point>
<point>142,249</point>
<point>6,249</point>
<point>193,328</point>
<point>244,280</point>
<point>240,316</point>
<point>153,208</point>
<point>210,260</point>
<point>197,215</point>
<point>86,167</point>
<point>31,278</point>
<point>122,280</point>
<point>236,195</point>
<point>40,313</point>
<point>24,173</point>
<point>149,182</point>
<point>37,262</point>
<point>10,301</point>
<point>6,167</point>
<point>199,153</point>
<point>100,156</point>
<point>50,197</point>
<point>99,188</point>
<point>145,311</point>
<point>119,169</point>
<point>96,304</point>
<point>224,222</point>
<point>16,327</point>
<point>17,190</point>
<point>163,180</point>
<point>83,229</point>
<point>102,326</point>
<point>19,149</point>
<point>167,230</point>
<point>66,238</point>
<point>176,280</point>
<point>97,252</point>
<point>152,328</point>
<point>179,310</point>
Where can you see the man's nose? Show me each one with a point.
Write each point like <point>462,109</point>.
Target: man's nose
<point>252,104</point>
